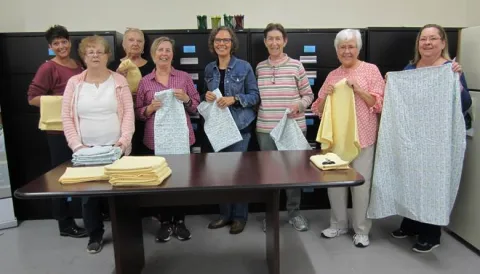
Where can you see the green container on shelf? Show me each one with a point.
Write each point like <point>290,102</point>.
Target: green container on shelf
<point>216,21</point>
<point>202,22</point>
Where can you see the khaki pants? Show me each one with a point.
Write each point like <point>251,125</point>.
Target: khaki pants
<point>360,196</point>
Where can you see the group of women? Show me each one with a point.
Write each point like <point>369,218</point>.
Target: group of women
<point>99,110</point>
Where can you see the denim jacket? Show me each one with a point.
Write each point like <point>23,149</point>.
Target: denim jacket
<point>239,81</point>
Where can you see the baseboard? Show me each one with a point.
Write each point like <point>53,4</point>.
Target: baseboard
<point>461,240</point>
<point>8,224</point>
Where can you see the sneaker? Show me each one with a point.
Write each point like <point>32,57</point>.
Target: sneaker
<point>333,232</point>
<point>360,240</point>
<point>299,222</point>
<point>264,225</point>
<point>94,246</point>
<point>73,231</point>
<point>400,234</point>
<point>181,231</point>
<point>424,247</point>
<point>164,232</point>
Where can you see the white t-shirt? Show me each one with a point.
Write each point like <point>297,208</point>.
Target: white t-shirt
<point>97,113</point>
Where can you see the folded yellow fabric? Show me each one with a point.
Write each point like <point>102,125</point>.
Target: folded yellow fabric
<point>166,172</point>
<point>329,161</point>
<point>74,175</point>
<point>338,127</point>
<point>51,113</point>
<point>135,164</point>
<point>152,174</point>
<point>133,74</point>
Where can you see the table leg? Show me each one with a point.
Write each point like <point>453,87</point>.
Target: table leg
<point>127,235</point>
<point>273,232</point>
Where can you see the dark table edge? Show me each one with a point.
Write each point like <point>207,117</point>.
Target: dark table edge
<point>133,191</point>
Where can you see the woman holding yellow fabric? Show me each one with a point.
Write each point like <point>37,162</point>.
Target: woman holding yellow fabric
<point>51,79</point>
<point>368,86</point>
<point>133,44</point>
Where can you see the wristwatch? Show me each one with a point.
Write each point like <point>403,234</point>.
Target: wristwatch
<point>237,100</point>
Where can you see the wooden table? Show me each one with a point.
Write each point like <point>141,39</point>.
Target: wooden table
<point>212,178</point>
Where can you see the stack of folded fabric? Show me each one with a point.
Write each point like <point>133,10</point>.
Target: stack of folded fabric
<point>138,171</point>
<point>50,113</point>
<point>98,155</point>
<point>329,161</point>
<point>75,175</point>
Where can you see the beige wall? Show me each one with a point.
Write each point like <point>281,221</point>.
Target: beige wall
<point>473,12</point>
<point>157,14</point>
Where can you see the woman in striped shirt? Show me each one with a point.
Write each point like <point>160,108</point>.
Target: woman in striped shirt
<point>283,84</point>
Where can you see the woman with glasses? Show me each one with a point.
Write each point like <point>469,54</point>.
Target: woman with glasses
<point>97,110</point>
<point>283,84</point>
<point>236,81</point>
<point>368,86</point>
<point>431,49</point>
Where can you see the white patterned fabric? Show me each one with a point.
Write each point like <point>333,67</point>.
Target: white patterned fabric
<point>171,134</point>
<point>420,147</point>
<point>288,135</point>
<point>220,128</point>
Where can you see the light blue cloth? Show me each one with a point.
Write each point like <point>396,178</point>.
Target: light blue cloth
<point>420,148</point>
<point>97,155</point>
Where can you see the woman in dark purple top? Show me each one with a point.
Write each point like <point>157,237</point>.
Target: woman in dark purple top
<point>431,49</point>
<point>51,79</point>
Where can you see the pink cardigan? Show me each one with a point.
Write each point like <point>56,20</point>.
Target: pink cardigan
<point>70,118</point>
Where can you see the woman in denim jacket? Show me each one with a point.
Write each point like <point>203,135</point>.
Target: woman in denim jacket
<point>236,81</point>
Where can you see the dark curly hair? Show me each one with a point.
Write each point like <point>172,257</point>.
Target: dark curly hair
<point>56,32</point>
<point>214,32</point>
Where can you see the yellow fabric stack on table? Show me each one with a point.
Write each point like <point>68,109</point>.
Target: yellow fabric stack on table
<point>51,113</point>
<point>75,175</point>
<point>138,171</point>
<point>329,161</point>
<point>133,74</point>
<point>338,127</point>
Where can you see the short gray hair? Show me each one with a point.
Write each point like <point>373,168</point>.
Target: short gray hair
<point>348,34</point>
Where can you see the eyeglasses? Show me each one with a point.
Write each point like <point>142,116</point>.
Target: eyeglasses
<point>431,39</point>
<point>224,40</point>
<point>93,53</point>
<point>344,48</point>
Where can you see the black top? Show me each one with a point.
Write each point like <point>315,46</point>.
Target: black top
<point>221,86</point>
<point>144,70</point>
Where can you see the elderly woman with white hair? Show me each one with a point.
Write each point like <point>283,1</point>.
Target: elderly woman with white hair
<point>368,87</point>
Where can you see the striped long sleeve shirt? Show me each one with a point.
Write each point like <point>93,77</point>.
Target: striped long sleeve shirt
<point>281,85</point>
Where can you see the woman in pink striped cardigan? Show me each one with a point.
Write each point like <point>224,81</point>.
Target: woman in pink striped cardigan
<point>97,110</point>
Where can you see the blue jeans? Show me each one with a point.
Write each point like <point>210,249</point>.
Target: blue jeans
<point>238,211</point>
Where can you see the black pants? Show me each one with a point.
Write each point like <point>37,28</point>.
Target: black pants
<point>427,233</point>
<point>59,154</point>
<point>170,213</point>
<point>92,217</point>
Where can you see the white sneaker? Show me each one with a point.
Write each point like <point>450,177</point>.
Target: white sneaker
<point>333,232</point>
<point>360,240</point>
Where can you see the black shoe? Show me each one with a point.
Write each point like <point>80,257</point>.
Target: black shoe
<point>400,234</point>
<point>424,247</point>
<point>73,231</point>
<point>237,227</point>
<point>164,232</point>
<point>94,246</point>
<point>181,231</point>
<point>218,223</point>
